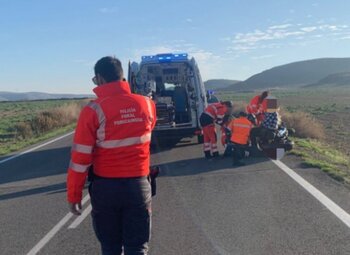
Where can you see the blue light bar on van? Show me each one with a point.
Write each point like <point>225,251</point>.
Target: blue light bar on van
<point>211,92</point>
<point>164,58</point>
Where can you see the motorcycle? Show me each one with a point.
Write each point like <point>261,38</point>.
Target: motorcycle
<point>276,138</point>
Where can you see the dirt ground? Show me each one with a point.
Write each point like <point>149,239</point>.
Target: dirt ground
<point>330,107</point>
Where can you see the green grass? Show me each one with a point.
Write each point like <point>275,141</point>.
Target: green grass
<point>20,144</point>
<point>317,154</point>
<point>13,113</point>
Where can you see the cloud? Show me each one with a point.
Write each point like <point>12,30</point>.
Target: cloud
<point>283,26</point>
<point>270,34</point>
<point>262,57</point>
<point>275,36</point>
<point>189,20</point>
<point>308,29</point>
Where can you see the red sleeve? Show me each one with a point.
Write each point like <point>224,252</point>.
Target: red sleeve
<point>264,105</point>
<point>81,154</point>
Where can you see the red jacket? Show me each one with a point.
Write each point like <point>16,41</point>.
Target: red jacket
<point>240,129</point>
<point>255,107</point>
<point>113,134</point>
<point>216,111</point>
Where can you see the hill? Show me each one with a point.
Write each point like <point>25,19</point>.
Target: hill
<point>333,80</point>
<point>26,96</point>
<point>297,74</point>
<point>217,84</point>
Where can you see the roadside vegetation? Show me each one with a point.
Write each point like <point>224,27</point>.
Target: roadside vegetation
<point>28,122</point>
<point>318,154</point>
<point>321,120</point>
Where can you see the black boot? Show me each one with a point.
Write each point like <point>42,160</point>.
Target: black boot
<point>216,154</point>
<point>207,155</point>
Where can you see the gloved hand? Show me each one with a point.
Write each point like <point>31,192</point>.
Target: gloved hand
<point>154,172</point>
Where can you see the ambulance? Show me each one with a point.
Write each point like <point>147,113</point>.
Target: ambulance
<point>174,83</point>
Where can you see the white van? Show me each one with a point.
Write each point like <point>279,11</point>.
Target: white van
<point>175,84</point>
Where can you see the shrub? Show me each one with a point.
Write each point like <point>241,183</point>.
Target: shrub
<point>304,124</point>
<point>48,120</point>
<point>23,130</point>
<point>55,118</point>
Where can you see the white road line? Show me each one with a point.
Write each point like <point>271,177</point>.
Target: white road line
<point>82,217</point>
<point>35,148</point>
<point>323,199</point>
<point>54,230</point>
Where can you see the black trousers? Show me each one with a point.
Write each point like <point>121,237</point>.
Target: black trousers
<point>264,134</point>
<point>121,214</point>
<point>238,152</point>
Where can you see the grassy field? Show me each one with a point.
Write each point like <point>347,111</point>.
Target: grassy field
<point>331,109</point>
<point>28,122</point>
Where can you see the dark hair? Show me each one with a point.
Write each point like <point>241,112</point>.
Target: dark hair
<point>109,68</point>
<point>264,95</point>
<point>243,114</point>
<point>229,104</point>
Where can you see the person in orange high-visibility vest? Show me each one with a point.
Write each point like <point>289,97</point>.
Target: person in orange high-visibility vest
<point>258,106</point>
<point>214,113</point>
<point>240,129</point>
<point>113,135</point>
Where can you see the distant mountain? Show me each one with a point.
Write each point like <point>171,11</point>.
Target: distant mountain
<point>333,80</point>
<point>23,96</point>
<point>216,84</point>
<point>297,74</point>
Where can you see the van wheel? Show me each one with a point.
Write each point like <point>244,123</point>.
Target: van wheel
<point>200,139</point>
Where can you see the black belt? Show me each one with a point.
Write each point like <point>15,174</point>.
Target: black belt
<point>96,177</point>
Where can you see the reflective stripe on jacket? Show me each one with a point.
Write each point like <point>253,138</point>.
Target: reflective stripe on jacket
<point>216,111</point>
<point>240,129</point>
<point>113,134</point>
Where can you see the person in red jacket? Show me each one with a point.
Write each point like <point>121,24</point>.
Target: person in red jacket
<point>240,130</point>
<point>214,113</point>
<point>113,136</point>
<point>258,106</point>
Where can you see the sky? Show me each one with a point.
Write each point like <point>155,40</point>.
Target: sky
<point>52,46</point>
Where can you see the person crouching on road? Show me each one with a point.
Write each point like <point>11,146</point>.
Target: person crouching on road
<point>214,113</point>
<point>113,135</point>
<point>240,130</point>
<point>258,106</point>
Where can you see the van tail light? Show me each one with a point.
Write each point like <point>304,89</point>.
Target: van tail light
<point>198,132</point>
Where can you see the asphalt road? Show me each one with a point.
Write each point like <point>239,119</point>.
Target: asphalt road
<point>201,207</point>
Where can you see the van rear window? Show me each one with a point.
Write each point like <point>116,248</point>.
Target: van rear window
<point>170,71</point>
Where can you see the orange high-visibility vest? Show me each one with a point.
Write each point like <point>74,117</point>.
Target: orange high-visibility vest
<point>240,129</point>
<point>216,111</point>
<point>113,134</point>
